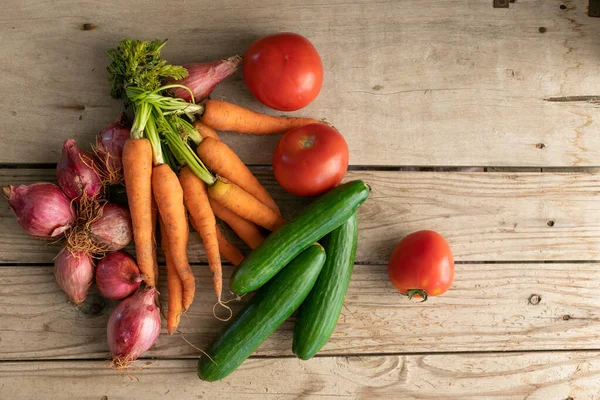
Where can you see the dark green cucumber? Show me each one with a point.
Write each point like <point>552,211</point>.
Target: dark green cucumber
<point>310,225</point>
<point>269,308</point>
<point>319,314</point>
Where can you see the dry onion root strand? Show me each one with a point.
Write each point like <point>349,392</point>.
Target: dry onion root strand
<point>78,238</point>
<point>108,173</point>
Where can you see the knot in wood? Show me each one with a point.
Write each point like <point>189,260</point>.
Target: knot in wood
<point>535,299</point>
<point>93,306</point>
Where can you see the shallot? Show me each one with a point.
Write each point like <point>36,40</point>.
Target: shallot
<point>76,173</point>
<point>74,271</point>
<point>111,230</point>
<point>133,327</point>
<point>203,77</point>
<point>117,276</point>
<point>109,149</point>
<point>42,209</point>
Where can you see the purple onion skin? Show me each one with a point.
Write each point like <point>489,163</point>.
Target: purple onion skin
<point>117,276</point>
<point>42,209</point>
<point>133,327</point>
<point>74,272</point>
<point>204,77</point>
<point>110,144</point>
<point>113,230</point>
<point>76,173</point>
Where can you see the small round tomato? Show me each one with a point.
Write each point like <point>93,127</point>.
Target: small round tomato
<point>310,160</point>
<point>283,71</point>
<point>422,265</point>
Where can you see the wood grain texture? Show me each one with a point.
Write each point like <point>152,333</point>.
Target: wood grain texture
<point>534,376</point>
<point>484,216</point>
<point>408,83</point>
<point>491,307</point>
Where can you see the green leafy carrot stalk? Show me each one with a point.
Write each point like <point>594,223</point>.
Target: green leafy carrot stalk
<point>139,63</point>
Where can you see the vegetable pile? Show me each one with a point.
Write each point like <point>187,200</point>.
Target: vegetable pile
<point>75,212</point>
<point>177,172</point>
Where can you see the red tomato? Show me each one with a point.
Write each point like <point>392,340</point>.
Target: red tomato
<point>310,160</point>
<point>422,265</point>
<point>283,71</point>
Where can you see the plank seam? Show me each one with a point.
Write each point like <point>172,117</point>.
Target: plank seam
<point>366,168</point>
<point>328,355</point>
<point>461,262</point>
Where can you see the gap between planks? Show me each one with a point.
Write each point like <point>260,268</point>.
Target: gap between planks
<point>460,262</point>
<point>326,356</point>
<point>415,168</point>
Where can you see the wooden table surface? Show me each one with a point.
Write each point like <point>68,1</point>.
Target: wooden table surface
<point>512,94</point>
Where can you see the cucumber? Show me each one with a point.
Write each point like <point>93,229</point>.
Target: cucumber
<point>269,308</point>
<point>319,314</point>
<point>310,225</point>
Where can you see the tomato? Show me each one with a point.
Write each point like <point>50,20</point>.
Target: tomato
<point>283,71</point>
<point>310,160</point>
<point>422,265</point>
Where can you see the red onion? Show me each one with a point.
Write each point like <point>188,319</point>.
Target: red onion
<point>133,327</point>
<point>117,276</point>
<point>203,77</point>
<point>76,172</point>
<point>42,209</point>
<point>74,271</point>
<point>109,146</point>
<point>112,230</point>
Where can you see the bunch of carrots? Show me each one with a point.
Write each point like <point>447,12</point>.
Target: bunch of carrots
<point>175,165</point>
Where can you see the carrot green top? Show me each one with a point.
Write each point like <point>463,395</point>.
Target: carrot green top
<point>138,74</point>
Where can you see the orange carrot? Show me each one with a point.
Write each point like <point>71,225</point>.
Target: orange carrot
<point>229,251</point>
<point>169,199</point>
<point>223,161</point>
<point>204,222</point>
<point>153,217</point>
<point>137,171</point>
<point>205,131</point>
<point>245,205</point>
<point>245,229</point>
<point>174,286</point>
<point>224,116</point>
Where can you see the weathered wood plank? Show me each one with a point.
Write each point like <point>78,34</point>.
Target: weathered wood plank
<point>491,307</point>
<point>484,216</point>
<point>531,376</point>
<point>408,83</point>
